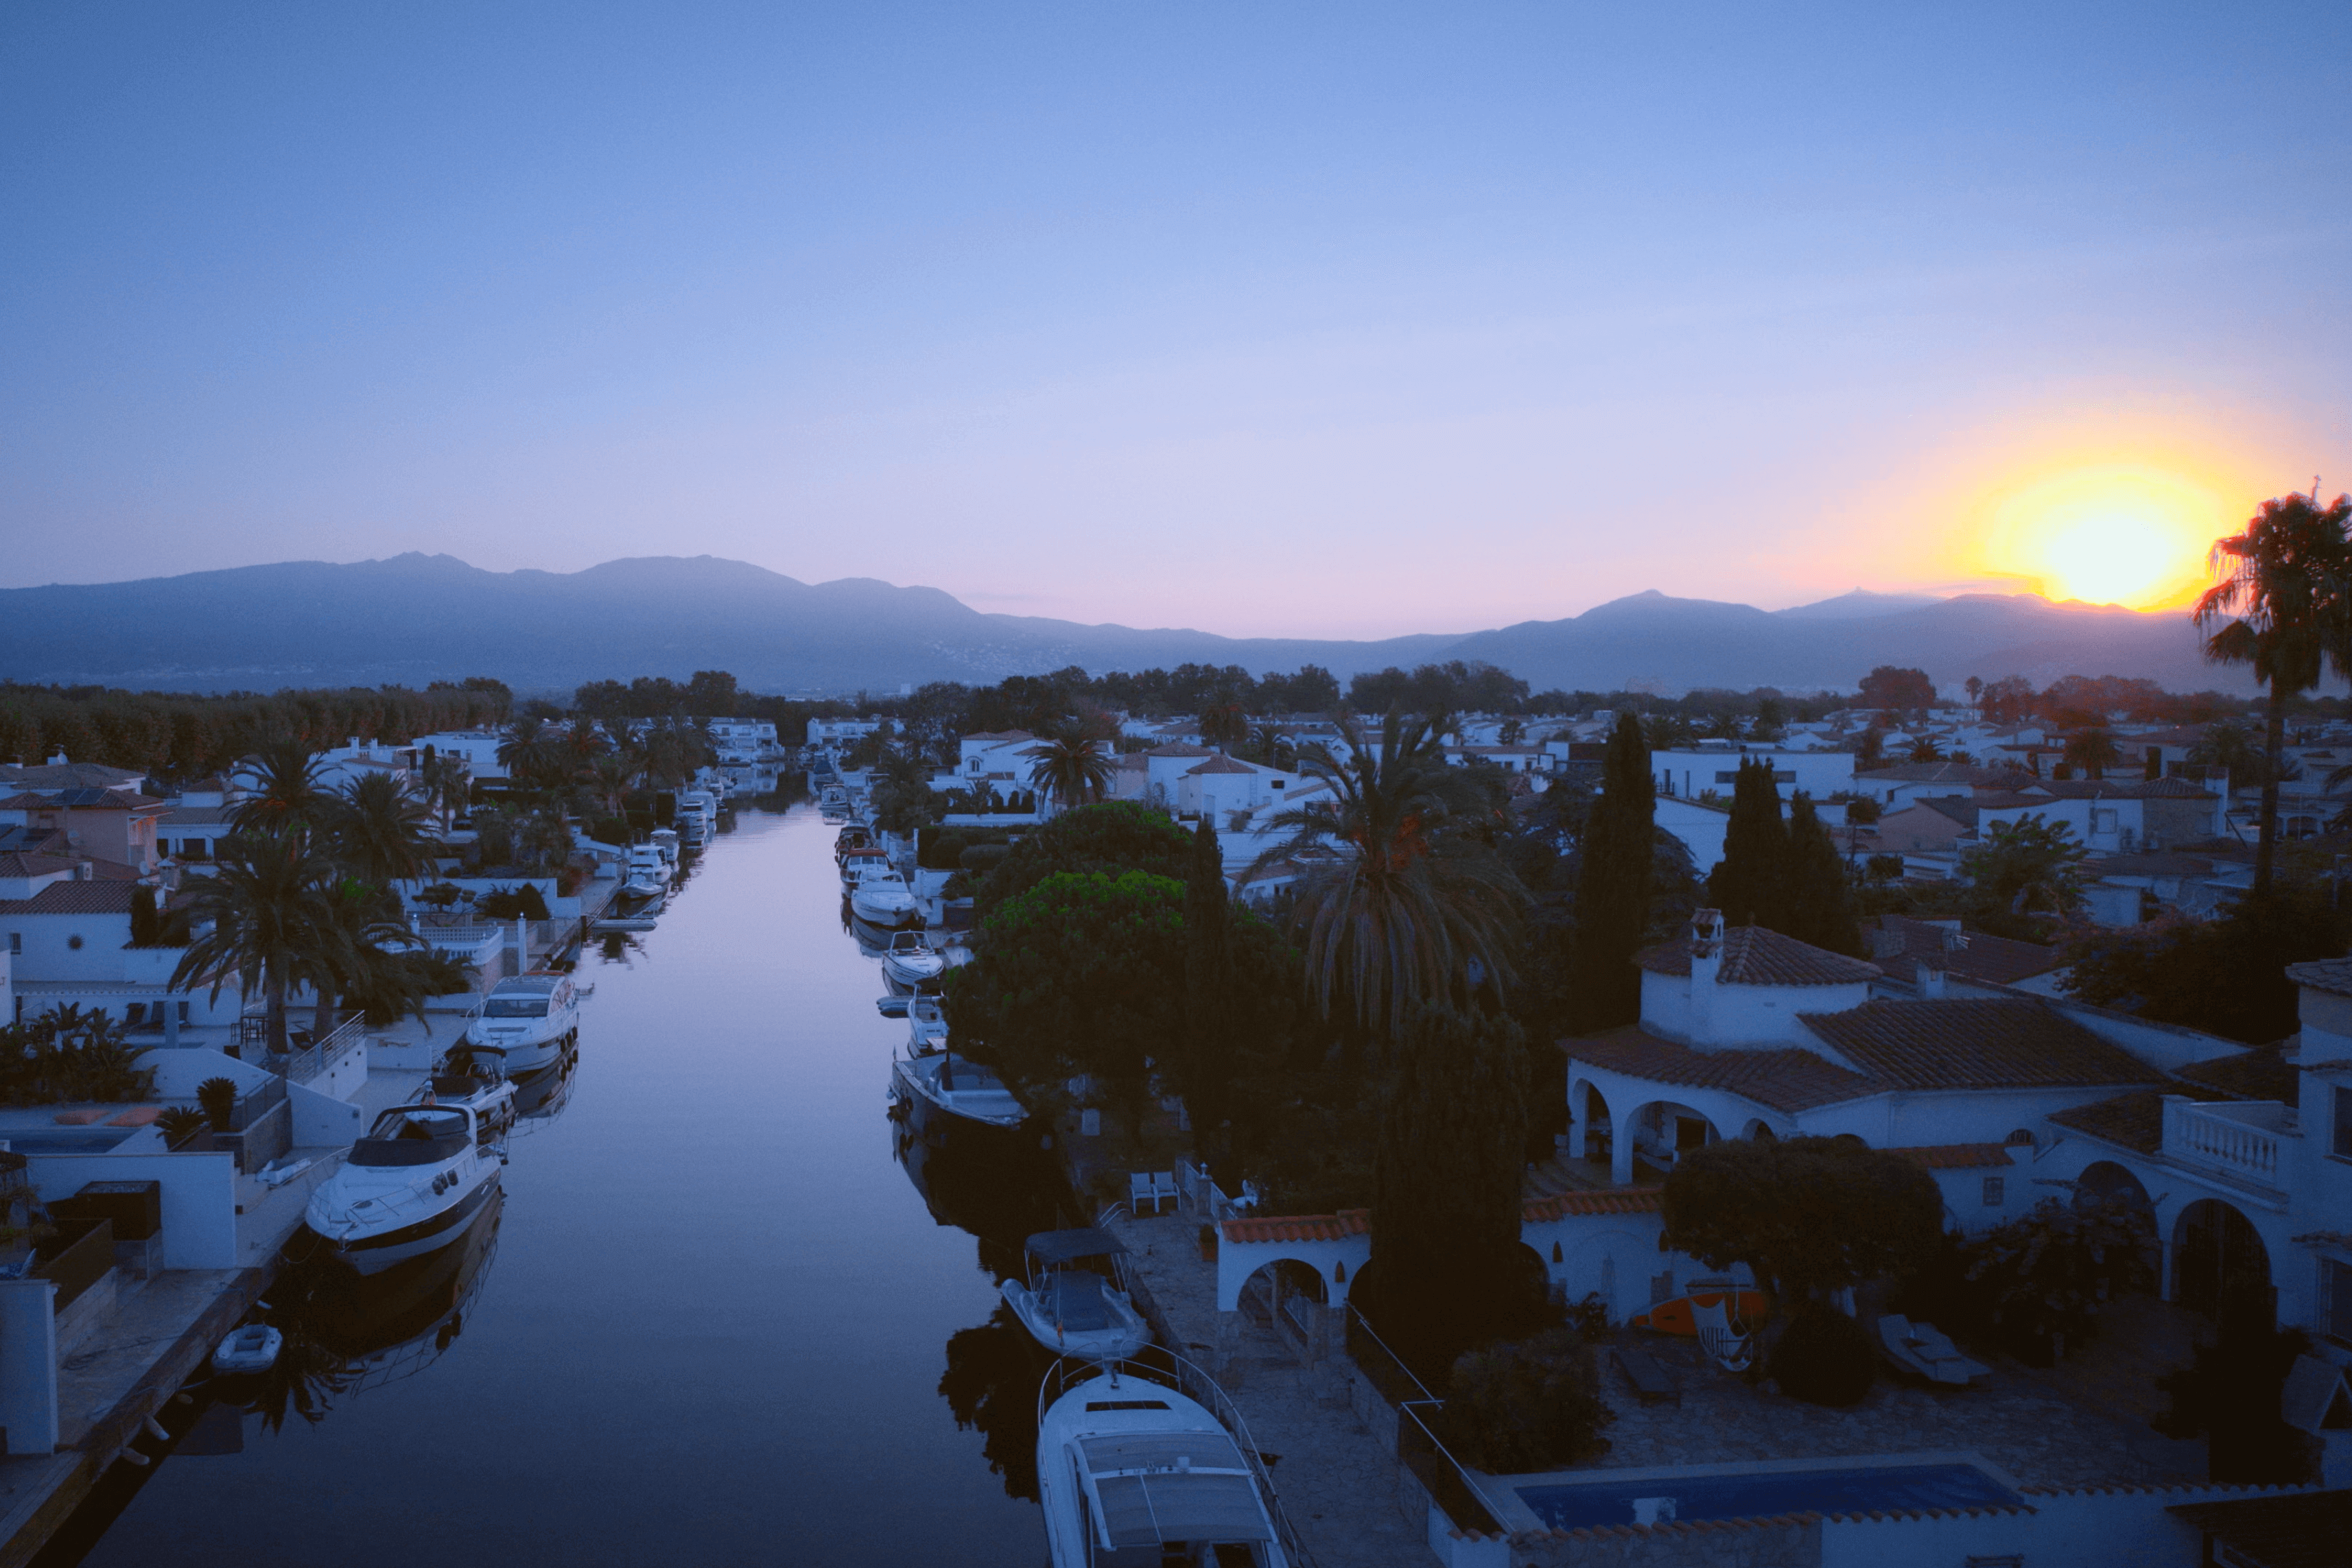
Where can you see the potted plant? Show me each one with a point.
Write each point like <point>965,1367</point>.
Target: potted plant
<point>185,1129</point>
<point>218,1097</point>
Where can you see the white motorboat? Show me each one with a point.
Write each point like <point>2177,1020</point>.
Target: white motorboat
<point>882,898</point>
<point>927,1024</point>
<point>529,1019</point>
<point>1144,1469</point>
<point>947,1083</point>
<point>910,961</point>
<point>475,1077</point>
<point>857,862</point>
<point>666,840</point>
<point>647,874</point>
<point>1069,1307</point>
<point>407,1188</point>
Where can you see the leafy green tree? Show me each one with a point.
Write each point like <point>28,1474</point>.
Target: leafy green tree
<point>1525,1405</point>
<point>2027,867</point>
<point>1872,750</point>
<point>1419,906</point>
<point>2225,977</point>
<point>2286,611</point>
<point>1206,1075</point>
<point>1816,895</point>
<point>1749,884</point>
<point>1114,836</point>
<point>1615,872</point>
<point>2042,1278</point>
<point>1809,1215</point>
<point>1448,1273</point>
<point>1081,974</point>
<point>1901,691</point>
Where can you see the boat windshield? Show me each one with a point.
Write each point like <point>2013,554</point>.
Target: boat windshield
<point>515,1008</point>
<point>414,1122</point>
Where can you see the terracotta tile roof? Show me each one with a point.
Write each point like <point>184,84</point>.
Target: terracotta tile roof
<point>1219,764</point>
<point>1957,1156</point>
<point>2134,1120</point>
<point>68,776</point>
<point>2152,862</point>
<point>111,896</point>
<point>2330,975</point>
<point>1787,1080</point>
<point>21,864</point>
<point>1301,1226</point>
<point>1961,808</point>
<point>1955,1044</point>
<point>195,816</point>
<point>1180,751</point>
<point>2261,1074</point>
<point>1900,946</point>
<point>1615,1200</point>
<point>1938,773</point>
<point>1753,956</point>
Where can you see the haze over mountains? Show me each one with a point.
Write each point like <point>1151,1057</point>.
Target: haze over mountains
<point>418,618</point>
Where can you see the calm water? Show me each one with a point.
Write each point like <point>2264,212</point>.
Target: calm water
<point>715,1322</point>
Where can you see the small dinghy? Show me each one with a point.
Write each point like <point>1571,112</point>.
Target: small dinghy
<point>1068,1307</point>
<point>253,1348</point>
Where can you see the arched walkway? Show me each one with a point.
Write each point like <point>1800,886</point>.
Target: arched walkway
<point>1589,1126</point>
<point>2220,1264</point>
<point>1293,1301</point>
<point>1660,1131</point>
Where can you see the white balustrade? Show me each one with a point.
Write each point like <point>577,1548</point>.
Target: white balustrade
<point>2225,1135</point>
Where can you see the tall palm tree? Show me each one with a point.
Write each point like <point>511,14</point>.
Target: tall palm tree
<point>534,753</point>
<point>364,936</point>
<point>2286,611</point>
<point>1224,725</point>
<point>1075,770</point>
<point>1420,906</point>
<point>285,789</point>
<point>2094,751</point>
<point>446,783</point>
<point>263,919</point>
<point>376,830</point>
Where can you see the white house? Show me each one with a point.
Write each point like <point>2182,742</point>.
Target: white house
<point>1715,765</point>
<point>1222,785</point>
<point>743,742</point>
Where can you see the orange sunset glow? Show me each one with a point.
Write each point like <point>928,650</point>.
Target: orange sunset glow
<point>2130,533</point>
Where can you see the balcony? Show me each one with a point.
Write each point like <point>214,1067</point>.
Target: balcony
<point>2238,1138</point>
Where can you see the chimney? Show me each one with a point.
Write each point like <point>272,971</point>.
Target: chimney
<point>84,871</point>
<point>1931,983</point>
<point>1707,963</point>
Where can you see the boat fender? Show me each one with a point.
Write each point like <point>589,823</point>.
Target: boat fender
<point>156,1427</point>
<point>134,1457</point>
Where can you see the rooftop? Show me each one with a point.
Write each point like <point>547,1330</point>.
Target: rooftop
<point>1788,1080</point>
<point>1902,946</point>
<point>110,896</point>
<point>1753,956</point>
<point>2333,975</point>
<point>1301,1226</point>
<point>1960,1044</point>
<point>2261,1074</point>
<point>2135,1121</point>
<point>2288,1530</point>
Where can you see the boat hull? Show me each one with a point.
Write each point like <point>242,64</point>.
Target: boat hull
<point>375,1253</point>
<point>1126,1335</point>
<point>1677,1316</point>
<point>922,1087</point>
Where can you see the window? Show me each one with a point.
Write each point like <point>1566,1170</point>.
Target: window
<point>16,945</point>
<point>1996,1191</point>
<point>2335,1298</point>
<point>2343,1139</point>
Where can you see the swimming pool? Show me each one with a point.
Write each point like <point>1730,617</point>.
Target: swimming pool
<point>64,1140</point>
<point>1762,1494</point>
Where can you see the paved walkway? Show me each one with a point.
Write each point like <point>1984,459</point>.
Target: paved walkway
<point>1337,1481</point>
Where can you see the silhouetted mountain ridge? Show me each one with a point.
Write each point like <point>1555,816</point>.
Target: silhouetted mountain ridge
<point>415,617</point>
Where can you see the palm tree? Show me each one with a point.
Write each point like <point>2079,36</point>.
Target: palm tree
<point>1224,725</point>
<point>2284,610</point>
<point>2094,751</point>
<point>263,919</point>
<point>377,830</point>
<point>365,937</point>
<point>1924,749</point>
<point>534,756</point>
<point>1075,770</point>
<point>1420,907</point>
<point>285,792</point>
<point>446,780</point>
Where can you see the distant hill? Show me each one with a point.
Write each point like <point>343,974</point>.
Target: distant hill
<point>418,618</point>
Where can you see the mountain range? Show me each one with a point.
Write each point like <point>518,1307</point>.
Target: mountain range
<point>418,618</point>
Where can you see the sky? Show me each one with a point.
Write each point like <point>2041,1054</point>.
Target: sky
<point>1322,321</point>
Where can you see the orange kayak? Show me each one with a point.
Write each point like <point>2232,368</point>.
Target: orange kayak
<point>1674,1316</point>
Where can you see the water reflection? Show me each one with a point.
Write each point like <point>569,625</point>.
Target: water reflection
<point>991,1385</point>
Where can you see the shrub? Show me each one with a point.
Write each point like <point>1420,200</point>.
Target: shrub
<point>179,1122</point>
<point>1526,1404</point>
<point>1824,1357</point>
<point>218,1097</point>
<point>609,830</point>
<point>512,902</point>
<point>982,859</point>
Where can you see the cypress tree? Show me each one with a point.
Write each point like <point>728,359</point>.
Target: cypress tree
<point>1612,884</point>
<point>1208,986</point>
<point>1449,1271</point>
<point>1817,896</point>
<point>1749,886</point>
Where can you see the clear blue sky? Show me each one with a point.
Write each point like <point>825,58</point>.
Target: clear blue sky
<point>1331,319</point>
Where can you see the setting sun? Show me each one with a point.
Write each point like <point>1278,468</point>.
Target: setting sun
<point>2112,535</point>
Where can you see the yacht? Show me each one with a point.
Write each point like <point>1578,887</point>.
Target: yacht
<point>473,1077</point>
<point>857,862</point>
<point>1071,1308</point>
<point>927,1024</point>
<point>882,898</point>
<point>1136,1469</point>
<point>530,1019</point>
<point>945,1082</point>
<point>910,961</point>
<point>646,877</point>
<point>666,840</point>
<point>407,1188</point>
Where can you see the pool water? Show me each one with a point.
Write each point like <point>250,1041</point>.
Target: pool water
<point>1853,1489</point>
<point>65,1141</point>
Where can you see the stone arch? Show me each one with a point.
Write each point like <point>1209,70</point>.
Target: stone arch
<point>2105,1181</point>
<point>2220,1263</point>
<point>1588,1121</point>
<point>1292,1298</point>
<point>1659,1131</point>
<point>1758,1131</point>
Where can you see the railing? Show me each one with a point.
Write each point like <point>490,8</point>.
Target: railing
<point>253,1106</point>
<point>2225,1136</point>
<point>1172,1371</point>
<point>303,1065</point>
<point>1197,1194</point>
<point>1419,1448</point>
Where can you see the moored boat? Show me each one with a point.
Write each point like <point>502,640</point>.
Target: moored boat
<point>405,1189</point>
<point>910,961</point>
<point>949,1084</point>
<point>475,1077</point>
<point>1146,1467</point>
<point>528,1019</point>
<point>1070,1307</point>
<point>883,899</point>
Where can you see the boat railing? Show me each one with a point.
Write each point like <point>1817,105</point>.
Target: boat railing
<point>1165,1367</point>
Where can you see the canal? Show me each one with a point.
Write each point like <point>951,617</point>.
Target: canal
<point>715,1322</point>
